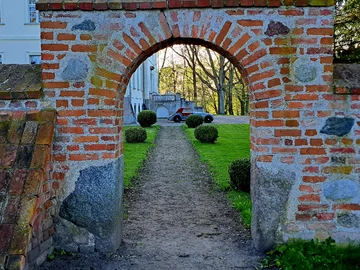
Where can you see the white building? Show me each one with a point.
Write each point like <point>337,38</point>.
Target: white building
<point>143,82</point>
<point>20,44</point>
<point>19,32</point>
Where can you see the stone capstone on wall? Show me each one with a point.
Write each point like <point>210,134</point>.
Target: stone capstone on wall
<point>96,204</point>
<point>347,78</point>
<point>20,82</point>
<point>133,5</point>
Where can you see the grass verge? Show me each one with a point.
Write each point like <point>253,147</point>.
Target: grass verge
<point>136,153</point>
<point>301,254</point>
<point>233,143</point>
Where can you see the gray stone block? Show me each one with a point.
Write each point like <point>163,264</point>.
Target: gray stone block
<point>87,248</point>
<point>305,72</point>
<point>72,247</point>
<point>338,126</point>
<point>340,190</point>
<point>75,70</point>
<point>349,220</point>
<point>33,254</point>
<point>269,195</point>
<point>86,25</point>
<point>276,29</point>
<point>42,258</point>
<point>96,204</point>
<point>45,246</point>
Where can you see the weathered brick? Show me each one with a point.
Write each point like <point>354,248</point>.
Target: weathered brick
<point>79,157</point>
<point>314,179</point>
<point>17,182</point>
<point>45,133</point>
<point>40,156</point>
<point>9,157</point>
<point>64,36</point>
<point>33,181</point>
<point>12,210</point>
<point>53,25</point>
<point>6,232</point>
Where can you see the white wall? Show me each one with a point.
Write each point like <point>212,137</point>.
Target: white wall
<point>18,37</point>
<point>143,81</point>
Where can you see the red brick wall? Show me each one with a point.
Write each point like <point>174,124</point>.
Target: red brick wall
<point>26,223</point>
<point>273,43</point>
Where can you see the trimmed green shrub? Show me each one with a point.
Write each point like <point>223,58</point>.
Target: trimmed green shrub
<point>194,121</point>
<point>146,118</point>
<point>135,135</point>
<point>206,134</point>
<point>239,172</point>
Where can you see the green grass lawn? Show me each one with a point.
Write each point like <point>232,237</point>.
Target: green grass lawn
<point>136,153</point>
<point>233,143</point>
<point>309,255</point>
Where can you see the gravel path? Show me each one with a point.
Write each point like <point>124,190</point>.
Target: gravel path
<point>175,219</point>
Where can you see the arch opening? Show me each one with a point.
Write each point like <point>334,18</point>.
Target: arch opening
<point>267,47</point>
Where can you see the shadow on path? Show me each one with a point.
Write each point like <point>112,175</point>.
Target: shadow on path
<point>174,218</point>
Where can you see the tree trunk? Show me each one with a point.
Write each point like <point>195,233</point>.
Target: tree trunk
<point>230,92</point>
<point>193,67</point>
<point>221,86</point>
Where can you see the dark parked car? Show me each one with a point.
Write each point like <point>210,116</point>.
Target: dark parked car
<point>182,113</point>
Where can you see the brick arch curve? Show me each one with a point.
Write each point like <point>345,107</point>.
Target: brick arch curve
<point>237,40</point>
<point>188,41</point>
<point>271,44</point>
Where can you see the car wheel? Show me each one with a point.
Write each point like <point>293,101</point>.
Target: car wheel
<point>177,119</point>
<point>208,119</point>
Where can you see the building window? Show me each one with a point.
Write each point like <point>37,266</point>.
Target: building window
<point>33,13</point>
<point>35,59</point>
<point>139,110</point>
<point>1,59</point>
<point>135,108</point>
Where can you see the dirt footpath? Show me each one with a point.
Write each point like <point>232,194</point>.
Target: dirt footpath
<point>175,218</point>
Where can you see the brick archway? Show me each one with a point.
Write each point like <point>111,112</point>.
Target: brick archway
<point>284,50</point>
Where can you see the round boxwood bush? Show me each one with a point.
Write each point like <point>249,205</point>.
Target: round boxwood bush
<point>146,118</point>
<point>135,135</point>
<point>239,172</point>
<point>206,134</point>
<point>194,121</point>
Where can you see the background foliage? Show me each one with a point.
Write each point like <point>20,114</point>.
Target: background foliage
<point>347,31</point>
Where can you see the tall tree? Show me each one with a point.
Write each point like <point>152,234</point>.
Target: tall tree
<point>213,78</point>
<point>347,34</point>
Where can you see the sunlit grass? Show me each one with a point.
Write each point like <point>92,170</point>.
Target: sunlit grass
<point>136,153</point>
<point>309,255</point>
<point>233,143</point>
